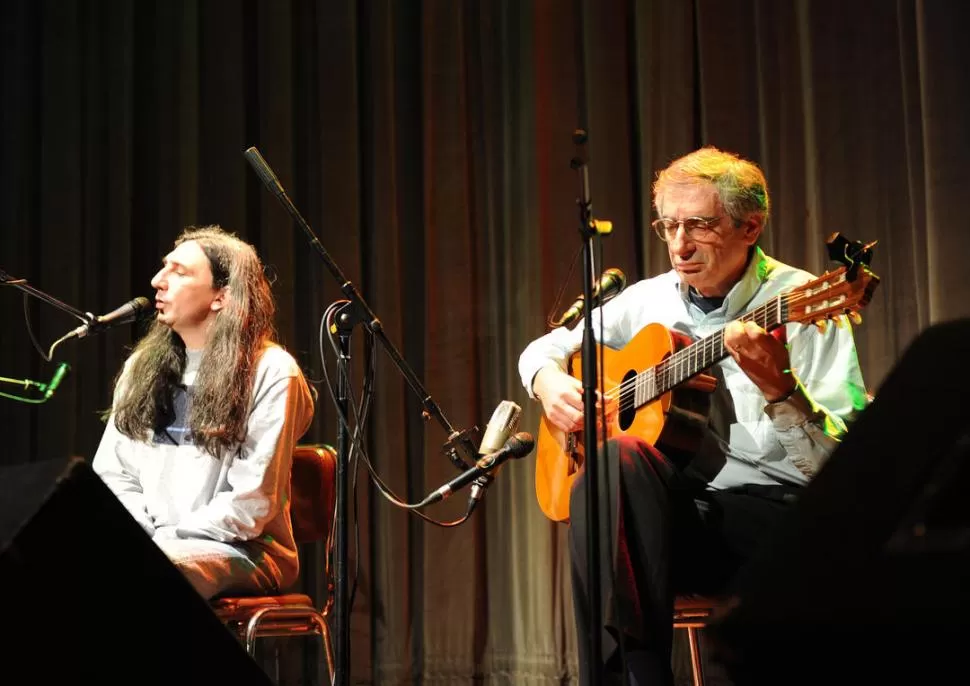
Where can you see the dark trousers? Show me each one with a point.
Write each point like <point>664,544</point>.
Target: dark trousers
<point>667,535</point>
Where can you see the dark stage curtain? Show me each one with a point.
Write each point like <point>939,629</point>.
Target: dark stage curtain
<point>428,145</point>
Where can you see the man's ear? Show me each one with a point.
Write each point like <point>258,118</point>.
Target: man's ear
<point>221,299</point>
<point>752,227</point>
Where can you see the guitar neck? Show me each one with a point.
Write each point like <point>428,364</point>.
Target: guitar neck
<point>653,382</point>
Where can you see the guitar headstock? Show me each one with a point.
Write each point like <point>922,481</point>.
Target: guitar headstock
<point>844,291</point>
<point>852,254</point>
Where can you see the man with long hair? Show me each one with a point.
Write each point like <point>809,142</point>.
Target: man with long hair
<point>689,523</point>
<point>206,412</point>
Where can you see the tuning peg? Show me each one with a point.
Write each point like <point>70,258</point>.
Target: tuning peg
<point>855,317</point>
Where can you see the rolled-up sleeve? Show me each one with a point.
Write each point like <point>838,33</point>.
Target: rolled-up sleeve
<point>812,421</point>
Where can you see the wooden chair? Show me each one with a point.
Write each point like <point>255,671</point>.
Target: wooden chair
<point>693,613</point>
<point>312,511</point>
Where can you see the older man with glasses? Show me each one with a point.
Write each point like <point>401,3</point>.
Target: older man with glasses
<point>688,522</point>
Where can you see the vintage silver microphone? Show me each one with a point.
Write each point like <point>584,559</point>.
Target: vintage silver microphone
<point>517,446</point>
<point>504,423</point>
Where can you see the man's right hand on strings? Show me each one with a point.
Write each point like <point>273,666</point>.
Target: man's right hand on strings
<point>561,396</point>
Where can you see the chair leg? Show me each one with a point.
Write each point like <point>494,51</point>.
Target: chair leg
<point>328,649</point>
<point>695,656</point>
<point>276,659</point>
<point>252,629</point>
<point>327,645</point>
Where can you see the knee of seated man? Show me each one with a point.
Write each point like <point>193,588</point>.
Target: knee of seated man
<point>188,551</point>
<point>625,450</point>
<point>630,451</point>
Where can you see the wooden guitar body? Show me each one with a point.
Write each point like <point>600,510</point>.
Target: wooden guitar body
<point>672,422</point>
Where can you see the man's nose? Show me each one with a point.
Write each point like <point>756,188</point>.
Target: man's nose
<point>680,243</point>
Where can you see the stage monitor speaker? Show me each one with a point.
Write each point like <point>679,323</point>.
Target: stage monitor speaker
<point>88,598</point>
<point>870,577</point>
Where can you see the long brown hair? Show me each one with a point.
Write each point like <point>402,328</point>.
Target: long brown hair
<point>223,386</point>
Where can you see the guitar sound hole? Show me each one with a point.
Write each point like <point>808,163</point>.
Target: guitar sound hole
<point>628,409</point>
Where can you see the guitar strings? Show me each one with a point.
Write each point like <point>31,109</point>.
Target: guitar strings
<point>669,367</point>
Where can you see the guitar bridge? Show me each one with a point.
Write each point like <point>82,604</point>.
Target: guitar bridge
<point>571,445</point>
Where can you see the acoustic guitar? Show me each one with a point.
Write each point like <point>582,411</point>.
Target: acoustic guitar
<point>655,388</point>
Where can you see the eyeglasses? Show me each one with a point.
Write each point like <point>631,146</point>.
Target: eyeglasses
<point>698,229</point>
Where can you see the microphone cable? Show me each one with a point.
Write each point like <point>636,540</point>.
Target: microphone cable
<point>30,331</point>
<point>360,416</point>
<point>551,316</point>
<point>357,450</point>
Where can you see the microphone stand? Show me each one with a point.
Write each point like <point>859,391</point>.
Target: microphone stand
<point>87,318</point>
<point>21,284</point>
<point>355,311</point>
<point>588,229</point>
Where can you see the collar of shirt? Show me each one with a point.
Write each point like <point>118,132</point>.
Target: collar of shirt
<point>193,358</point>
<point>756,273</point>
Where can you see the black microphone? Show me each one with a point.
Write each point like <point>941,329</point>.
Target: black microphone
<point>263,171</point>
<point>62,369</point>
<point>610,284</point>
<point>270,180</point>
<point>519,445</point>
<point>133,310</point>
<point>504,422</point>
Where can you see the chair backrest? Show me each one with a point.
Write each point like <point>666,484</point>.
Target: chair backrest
<point>313,492</point>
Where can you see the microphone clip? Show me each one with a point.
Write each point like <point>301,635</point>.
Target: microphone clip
<point>460,447</point>
<point>91,326</point>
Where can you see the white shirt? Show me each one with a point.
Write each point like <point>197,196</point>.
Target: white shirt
<point>759,443</point>
<point>175,490</point>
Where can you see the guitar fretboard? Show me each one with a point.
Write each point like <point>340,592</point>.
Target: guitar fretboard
<point>651,383</point>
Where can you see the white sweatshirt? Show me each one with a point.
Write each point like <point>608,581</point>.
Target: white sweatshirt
<point>174,490</point>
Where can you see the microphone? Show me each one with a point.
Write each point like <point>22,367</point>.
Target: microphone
<point>133,310</point>
<point>519,445</point>
<point>62,370</point>
<point>609,286</point>
<point>263,171</point>
<point>504,422</point>
<point>270,180</point>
